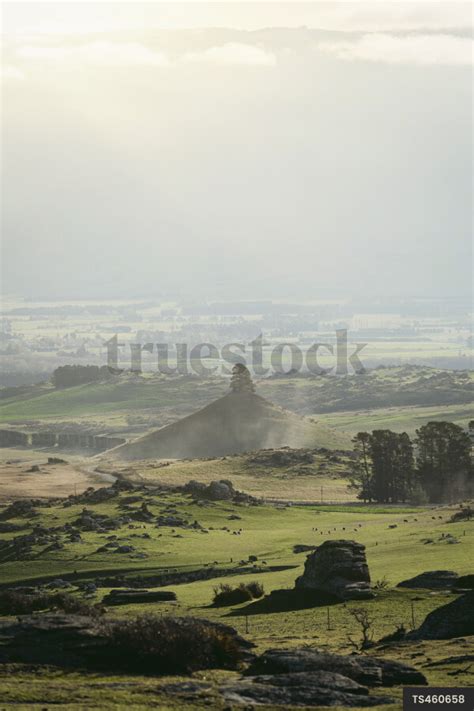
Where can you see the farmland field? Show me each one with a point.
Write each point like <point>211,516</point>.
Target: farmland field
<point>400,543</point>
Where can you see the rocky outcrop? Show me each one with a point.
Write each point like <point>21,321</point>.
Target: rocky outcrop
<point>215,491</point>
<point>456,619</point>
<point>22,508</point>
<point>222,490</point>
<point>465,582</point>
<point>301,689</point>
<point>370,671</point>
<point>128,597</point>
<point>432,580</point>
<point>153,645</point>
<point>338,568</point>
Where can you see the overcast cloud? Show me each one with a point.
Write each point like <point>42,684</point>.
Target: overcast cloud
<point>331,158</point>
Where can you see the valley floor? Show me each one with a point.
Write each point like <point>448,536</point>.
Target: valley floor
<point>232,543</point>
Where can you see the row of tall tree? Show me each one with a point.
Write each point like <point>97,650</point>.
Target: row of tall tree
<point>436,466</point>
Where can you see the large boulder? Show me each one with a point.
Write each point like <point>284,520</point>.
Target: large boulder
<point>220,491</point>
<point>338,568</point>
<point>456,619</point>
<point>363,669</point>
<point>432,580</point>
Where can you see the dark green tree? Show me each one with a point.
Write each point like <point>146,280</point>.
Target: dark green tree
<point>382,452</point>
<point>361,466</point>
<point>241,380</point>
<point>383,467</point>
<point>404,480</point>
<point>443,455</point>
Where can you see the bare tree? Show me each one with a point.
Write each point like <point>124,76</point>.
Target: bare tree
<point>365,621</point>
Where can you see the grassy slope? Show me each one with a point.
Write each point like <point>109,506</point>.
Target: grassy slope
<point>119,395</point>
<point>295,482</point>
<point>405,387</point>
<point>398,419</point>
<point>270,534</point>
<point>267,532</point>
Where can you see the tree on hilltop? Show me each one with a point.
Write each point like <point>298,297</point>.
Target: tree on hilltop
<point>241,380</point>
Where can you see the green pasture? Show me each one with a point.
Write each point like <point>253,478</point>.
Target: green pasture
<point>418,543</point>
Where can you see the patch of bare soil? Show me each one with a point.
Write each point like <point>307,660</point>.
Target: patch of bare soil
<point>29,475</point>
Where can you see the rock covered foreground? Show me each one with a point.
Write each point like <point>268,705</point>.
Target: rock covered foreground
<point>298,677</point>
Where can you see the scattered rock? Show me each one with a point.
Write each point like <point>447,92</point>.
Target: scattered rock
<point>7,527</point>
<point>143,514</point>
<point>19,509</point>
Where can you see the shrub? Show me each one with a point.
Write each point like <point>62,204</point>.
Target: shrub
<point>225,594</point>
<point>256,589</point>
<point>464,514</point>
<point>174,645</point>
<point>381,584</point>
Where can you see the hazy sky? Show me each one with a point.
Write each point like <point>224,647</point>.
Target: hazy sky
<point>237,150</point>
